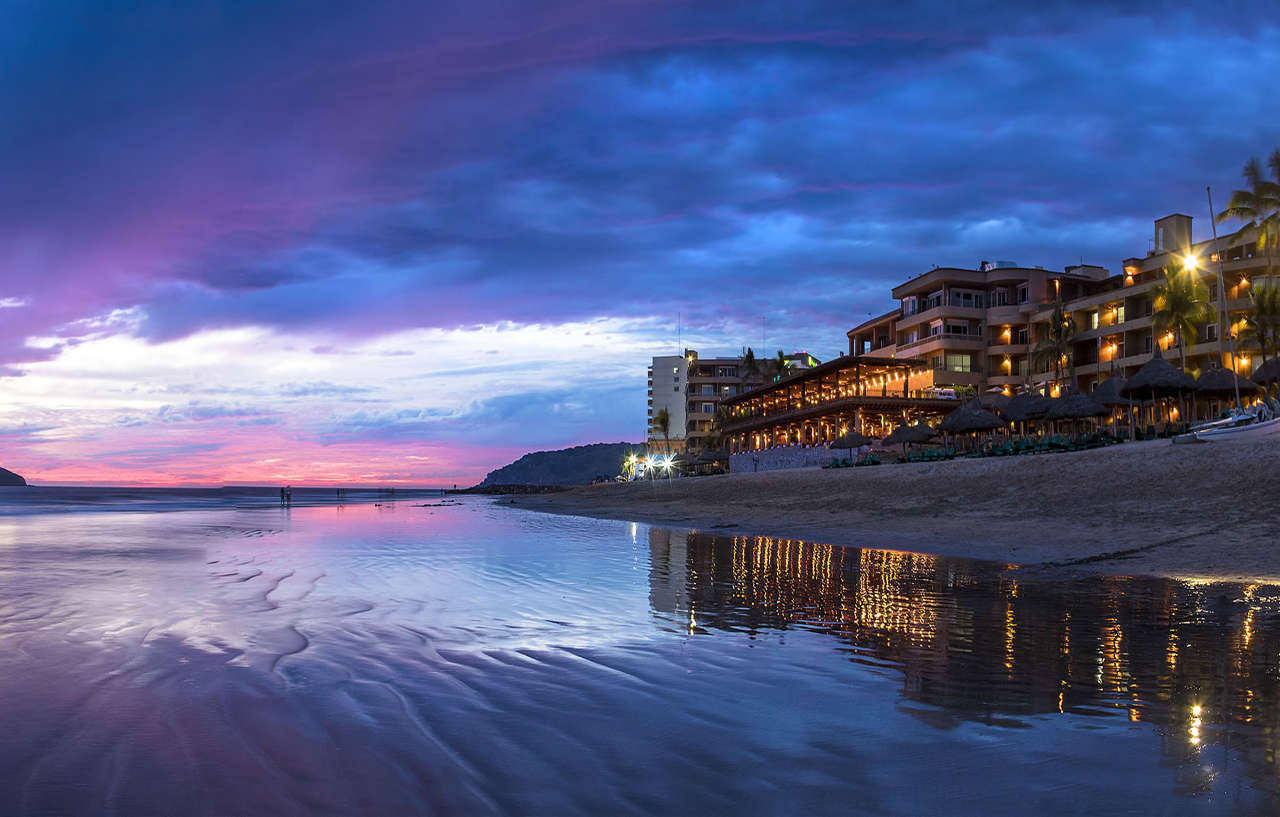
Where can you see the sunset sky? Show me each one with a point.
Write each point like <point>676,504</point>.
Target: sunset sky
<point>395,242</point>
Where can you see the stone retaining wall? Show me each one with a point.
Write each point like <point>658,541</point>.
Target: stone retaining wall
<point>778,459</point>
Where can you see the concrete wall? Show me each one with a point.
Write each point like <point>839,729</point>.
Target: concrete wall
<point>778,459</point>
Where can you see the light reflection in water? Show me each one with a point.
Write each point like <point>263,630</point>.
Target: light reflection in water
<point>1193,661</point>
<point>482,660</point>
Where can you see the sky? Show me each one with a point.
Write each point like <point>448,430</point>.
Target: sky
<point>404,243</point>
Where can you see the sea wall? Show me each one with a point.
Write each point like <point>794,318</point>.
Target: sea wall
<point>781,458</point>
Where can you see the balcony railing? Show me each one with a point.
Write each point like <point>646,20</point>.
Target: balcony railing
<point>942,336</point>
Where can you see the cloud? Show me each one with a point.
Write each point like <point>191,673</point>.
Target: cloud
<point>493,174</point>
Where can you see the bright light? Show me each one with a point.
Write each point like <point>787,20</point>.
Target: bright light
<point>1190,262</point>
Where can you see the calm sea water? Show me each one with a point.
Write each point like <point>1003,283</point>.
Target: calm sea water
<point>216,655</point>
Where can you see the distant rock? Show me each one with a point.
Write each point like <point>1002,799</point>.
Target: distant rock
<point>10,478</point>
<point>568,466</point>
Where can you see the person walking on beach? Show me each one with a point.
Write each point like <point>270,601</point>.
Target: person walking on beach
<point>282,496</point>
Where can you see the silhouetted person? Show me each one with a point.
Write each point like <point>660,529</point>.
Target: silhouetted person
<point>282,496</point>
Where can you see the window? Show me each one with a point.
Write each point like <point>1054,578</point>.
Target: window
<point>957,329</point>
<point>1021,336</point>
<point>958,362</point>
<point>708,408</point>
<point>1093,320</point>
<point>1120,313</point>
<point>708,390</point>
<point>1002,296</point>
<point>1210,333</point>
<point>1146,344</point>
<point>1022,294</point>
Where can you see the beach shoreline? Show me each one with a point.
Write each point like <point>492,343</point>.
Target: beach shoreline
<point>1196,512</point>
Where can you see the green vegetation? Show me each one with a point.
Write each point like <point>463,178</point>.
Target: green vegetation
<point>1181,304</point>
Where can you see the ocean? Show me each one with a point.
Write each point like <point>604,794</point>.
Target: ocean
<point>213,653</point>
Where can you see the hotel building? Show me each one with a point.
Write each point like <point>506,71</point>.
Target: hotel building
<point>691,388</point>
<point>977,330</point>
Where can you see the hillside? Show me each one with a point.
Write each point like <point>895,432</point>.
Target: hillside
<point>568,466</point>
<point>10,478</point>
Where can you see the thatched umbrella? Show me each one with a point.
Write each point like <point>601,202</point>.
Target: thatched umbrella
<point>994,401</point>
<point>851,440</point>
<point>1220,382</point>
<point>1157,378</point>
<point>1108,394</point>
<point>1024,406</point>
<point>1075,406</point>
<point>906,435</point>
<point>970,418</point>
<point>1267,372</point>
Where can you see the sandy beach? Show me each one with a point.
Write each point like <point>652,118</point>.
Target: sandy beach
<point>1186,511</point>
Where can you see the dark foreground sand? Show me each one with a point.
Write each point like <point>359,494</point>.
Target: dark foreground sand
<point>1204,511</point>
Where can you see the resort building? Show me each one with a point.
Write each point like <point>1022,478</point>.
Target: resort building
<point>957,330</point>
<point>978,329</point>
<point>1115,328</point>
<point>973,328</point>
<point>691,388</point>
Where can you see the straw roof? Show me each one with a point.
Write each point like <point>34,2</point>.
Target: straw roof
<point>918,433</point>
<point>970,417</point>
<point>1025,406</point>
<point>1267,372</point>
<point>1108,392</point>
<point>851,440</point>
<point>709,456</point>
<point>994,401</point>
<point>1219,381</point>
<point>1159,376</point>
<point>1075,406</point>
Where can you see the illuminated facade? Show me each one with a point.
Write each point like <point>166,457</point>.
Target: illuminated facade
<point>978,328</point>
<point>813,407</point>
<point>691,388</point>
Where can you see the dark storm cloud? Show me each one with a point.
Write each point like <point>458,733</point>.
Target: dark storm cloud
<point>364,169</point>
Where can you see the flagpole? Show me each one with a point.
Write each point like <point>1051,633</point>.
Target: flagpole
<point>1223,327</point>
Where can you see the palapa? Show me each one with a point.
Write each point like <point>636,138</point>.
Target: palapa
<point>1219,382</point>
<point>851,440</point>
<point>968,418</point>
<point>905,435</point>
<point>1267,372</point>
<point>1108,392</point>
<point>1025,406</point>
<point>1075,406</point>
<point>1157,378</point>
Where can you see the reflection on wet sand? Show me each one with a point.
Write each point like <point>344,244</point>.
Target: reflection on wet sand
<point>1195,662</point>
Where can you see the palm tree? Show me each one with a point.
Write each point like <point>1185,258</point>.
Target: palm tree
<point>663,422</point>
<point>750,366</point>
<point>1055,346</point>
<point>1181,304</point>
<point>1258,206</point>
<point>1263,320</point>
<point>776,367</point>
<point>722,418</point>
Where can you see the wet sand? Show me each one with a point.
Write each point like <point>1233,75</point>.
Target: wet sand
<point>1154,508</point>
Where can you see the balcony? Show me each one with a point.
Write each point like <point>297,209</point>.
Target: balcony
<point>953,340</point>
<point>943,311</point>
<point>1008,348</point>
